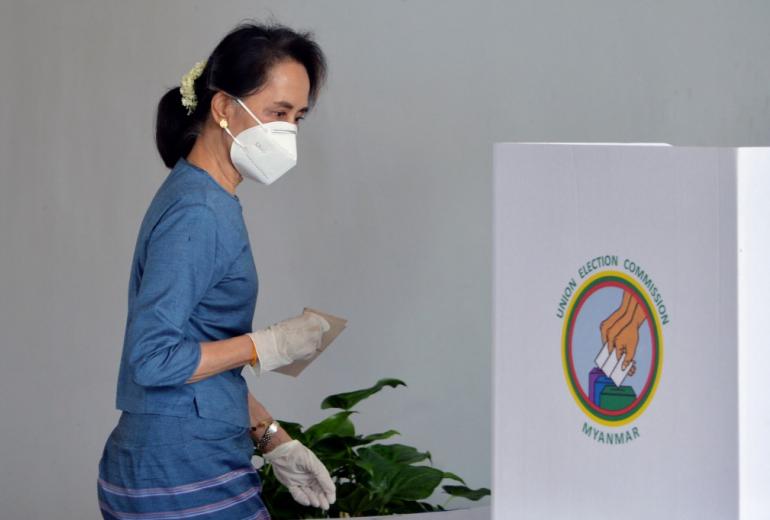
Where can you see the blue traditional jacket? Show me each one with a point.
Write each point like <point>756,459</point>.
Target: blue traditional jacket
<point>192,279</point>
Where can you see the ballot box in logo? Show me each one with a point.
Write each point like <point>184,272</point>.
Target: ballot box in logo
<point>616,397</point>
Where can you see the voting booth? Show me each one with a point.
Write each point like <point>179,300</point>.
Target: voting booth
<point>630,332</point>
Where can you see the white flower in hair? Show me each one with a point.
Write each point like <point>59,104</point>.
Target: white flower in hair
<point>187,89</point>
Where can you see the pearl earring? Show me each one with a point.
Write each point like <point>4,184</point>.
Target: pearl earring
<point>223,123</point>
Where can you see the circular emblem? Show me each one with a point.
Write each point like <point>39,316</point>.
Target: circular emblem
<point>612,348</point>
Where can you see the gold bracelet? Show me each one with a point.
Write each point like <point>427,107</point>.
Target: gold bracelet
<point>254,360</point>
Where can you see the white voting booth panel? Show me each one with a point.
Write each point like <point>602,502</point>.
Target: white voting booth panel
<point>617,365</point>
<point>754,347</point>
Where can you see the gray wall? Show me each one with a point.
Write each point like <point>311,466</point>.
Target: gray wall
<point>386,221</point>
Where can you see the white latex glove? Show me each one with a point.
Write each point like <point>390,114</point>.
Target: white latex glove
<point>297,468</point>
<point>287,341</point>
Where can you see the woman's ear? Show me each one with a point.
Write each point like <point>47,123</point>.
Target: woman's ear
<point>221,107</point>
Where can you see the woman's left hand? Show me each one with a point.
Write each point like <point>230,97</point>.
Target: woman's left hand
<point>298,468</point>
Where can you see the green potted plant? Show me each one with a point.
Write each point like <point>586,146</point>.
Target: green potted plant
<point>372,478</point>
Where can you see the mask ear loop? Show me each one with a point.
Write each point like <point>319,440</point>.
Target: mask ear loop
<point>252,114</point>
<point>223,125</point>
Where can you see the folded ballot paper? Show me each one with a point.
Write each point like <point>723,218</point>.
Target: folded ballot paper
<point>611,365</point>
<point>336,325</point>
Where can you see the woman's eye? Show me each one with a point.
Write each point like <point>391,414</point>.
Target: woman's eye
<point>279,114</point>
<point>298,119</point>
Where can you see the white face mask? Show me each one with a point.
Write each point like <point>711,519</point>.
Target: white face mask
<point>266,151</point>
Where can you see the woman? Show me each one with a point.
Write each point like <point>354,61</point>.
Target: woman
<point>183,445</point>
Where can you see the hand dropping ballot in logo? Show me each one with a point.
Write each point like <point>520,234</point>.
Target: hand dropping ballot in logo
<point>612,345</point>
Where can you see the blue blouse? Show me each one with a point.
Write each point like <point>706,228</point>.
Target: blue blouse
<point>192,279</point>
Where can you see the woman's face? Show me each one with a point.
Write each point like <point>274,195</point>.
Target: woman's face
<point>283,97</point>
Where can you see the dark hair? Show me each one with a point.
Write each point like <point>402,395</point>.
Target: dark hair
<point>238,66</point>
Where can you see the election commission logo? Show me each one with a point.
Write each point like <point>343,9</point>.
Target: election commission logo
<point>612,344</point>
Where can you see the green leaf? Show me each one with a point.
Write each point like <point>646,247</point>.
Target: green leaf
<point>338,424</point>
<point>399,453</point>
<point>452,476</point>
<point>415,482</point>
<point>348,400</point>
<point>407,482</point>
<point>379,436</point>
<point>391,477</point>
<point>465,492</point>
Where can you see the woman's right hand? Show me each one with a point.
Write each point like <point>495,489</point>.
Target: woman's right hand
<point>289,340</point>
<point>300,337</point>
